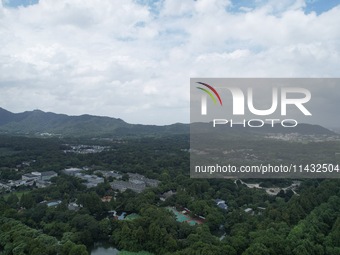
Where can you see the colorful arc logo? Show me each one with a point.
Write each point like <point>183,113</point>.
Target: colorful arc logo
<point>211,89</point>
<point>211,92</point>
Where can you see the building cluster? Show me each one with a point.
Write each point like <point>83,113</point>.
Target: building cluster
<point>40,179</point>
<point>85,149</point>
<point>36,176</point>
<point>136,183</point>
<point>74,206</point>
<point>296,137</point>
<point>4,186</point>
<point>108,174</point>
<point>25,164</point>
<point>148,182</point>
<point>91,180</point>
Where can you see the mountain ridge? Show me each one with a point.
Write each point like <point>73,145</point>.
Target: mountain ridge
<point>38,122</point>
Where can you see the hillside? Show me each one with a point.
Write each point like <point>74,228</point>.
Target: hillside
<point>38,122</point>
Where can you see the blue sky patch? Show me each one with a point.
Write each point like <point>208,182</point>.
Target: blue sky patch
<point>317,6</point>
<point>320,6</point>
<point>18,3</point>
<point>153,5</point>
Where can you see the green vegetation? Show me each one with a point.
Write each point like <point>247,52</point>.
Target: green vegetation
<point>6,152</point>
<point>17,194</point>
<point>134,253</point>
<point>304,223</point>
<point>132,216</point>
<point>17,238</point>
<point>57,125</point>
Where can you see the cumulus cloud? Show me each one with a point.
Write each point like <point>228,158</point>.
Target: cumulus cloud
<point>131,60</point>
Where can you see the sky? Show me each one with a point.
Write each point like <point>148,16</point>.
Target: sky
<point>133,59</point>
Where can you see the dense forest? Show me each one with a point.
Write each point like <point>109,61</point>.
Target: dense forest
<point>306,221</point>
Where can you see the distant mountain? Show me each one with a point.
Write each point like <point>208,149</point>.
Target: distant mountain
<point>336,130</point>
<point>301,128</point>
<point>38,122</point>
<point>5,116</point>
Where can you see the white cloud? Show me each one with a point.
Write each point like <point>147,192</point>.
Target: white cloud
<point>121,59</point>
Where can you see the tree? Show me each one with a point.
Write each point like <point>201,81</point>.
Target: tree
<point>92,202</point>
<point>215,219</point>
<point>257,249</point>
<point>13,200</point>
<point>78,250</point>
<point>27,201</point>
<point>125,177</point>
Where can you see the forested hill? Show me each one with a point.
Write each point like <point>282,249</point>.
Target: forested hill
<point>47,123</point>
<point>39,122</point>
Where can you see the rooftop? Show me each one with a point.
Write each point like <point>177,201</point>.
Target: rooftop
<point>48,173</point>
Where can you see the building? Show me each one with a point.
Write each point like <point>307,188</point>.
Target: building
<point>54,203</point>
<point>137,182</point>
<point>136,176</point>
<point>106,199</point>
<point>108,174</point>
<point>39,176</point>
<point>148,182</point>
<point>72,171</point>
<point>42,184</point>
<point>91,180</point>
<point>221,204</point>
<point>30,177</point>
<point>249,210</point>
<point>4,186</point>
<point>46,176</point>
<point>135,185</point>
<point>74,206</point>
<point>18,183</point>
<point>167,194</point>
<point>151,182</point>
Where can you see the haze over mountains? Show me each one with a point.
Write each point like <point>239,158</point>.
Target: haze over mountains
<point>39,122</point>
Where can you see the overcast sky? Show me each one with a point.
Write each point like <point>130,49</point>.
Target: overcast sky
<point>134,59</point>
